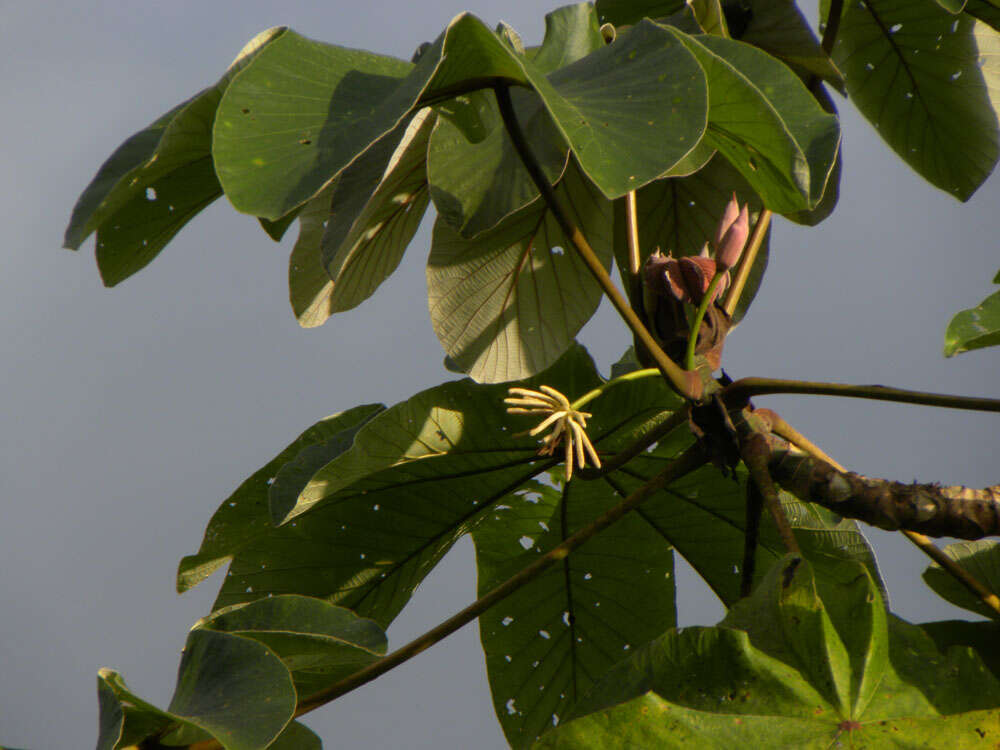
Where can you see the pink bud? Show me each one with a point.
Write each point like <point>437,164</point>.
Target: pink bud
<point>729,215</point>
<point>728,251</point>
<point>697,273</point>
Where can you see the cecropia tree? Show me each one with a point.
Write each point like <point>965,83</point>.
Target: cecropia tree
<point>658,137</point>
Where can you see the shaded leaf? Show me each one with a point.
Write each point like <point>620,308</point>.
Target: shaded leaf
<point>976,328</point>
<point>234,688</point>
<point>818,664</point>
<point>621,12</point>
<point>309,286</point>
<point>218,673</point>
<point>508,304</point>
<point>680,214</point>
<point>757,106</point>
<point>928,82</point>
<point>986,11</point>
<point>276,229</point>
<point>318,643</point>
<point>244,515</point>
<point>952,6</point>
<point>156,181</point>
<point>360,254</point>
<point>982,560</point>
<point>273,152</point>
<point>981,637</point>
<point>477,182</point>
<point>779,28</point>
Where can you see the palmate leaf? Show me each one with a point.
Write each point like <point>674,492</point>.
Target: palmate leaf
<point>546,644</point>
<point>928,81</point>
<point>818,663</point>
<point>764,120</point>
<point>506,304</point>
<point>156,181</point>
<point>241,674</point>
<point>982,560</point>
<point>975,328</point>
<point>383,513</point>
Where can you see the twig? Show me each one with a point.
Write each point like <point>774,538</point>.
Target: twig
<point>745,388</point>
<point>688,384</point>
<point>755,453</point>
<point>832,25</point>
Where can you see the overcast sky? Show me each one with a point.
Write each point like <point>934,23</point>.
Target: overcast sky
<point>128,415</point>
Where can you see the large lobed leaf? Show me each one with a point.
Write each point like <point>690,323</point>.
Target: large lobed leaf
<point>928,82</point>
<point>804,662</point>
<point>156,181</point>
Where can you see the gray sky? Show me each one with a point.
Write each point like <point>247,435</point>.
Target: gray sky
<point>128,415</point>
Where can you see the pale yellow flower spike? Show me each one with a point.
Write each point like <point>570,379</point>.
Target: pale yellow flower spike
<point>567,425</point>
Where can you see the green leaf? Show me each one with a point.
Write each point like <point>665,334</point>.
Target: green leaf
<point>309,286</point>
<point>981,637</point>
<point>319,643</point>
<point>779,28</point>
<point>276,229</point>
<point>928,82</point>
<point>381,515</point>
<point>244,516</point>
<point>680,214</point>
<point>360,252</point>
<point>952,6</point>
<point>758,106</point>
<point>156,181</point>
<point>229,688</point>
<point>986,11</point>
<point>975,328</point>
<point>273,152</point>
<point>547,643</point>
<point>982,560</point>
<point>629,110</point>
<point>507,304</point>
<point>621,12</point>
<point>234,688</point>
<point>476,177</point>
<point>818,664</point>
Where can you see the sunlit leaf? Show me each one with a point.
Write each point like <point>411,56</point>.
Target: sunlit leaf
<point>811,665</point>
<point>928,82</point>
<point>982,560</point>
<point>507,304</point>
<point>975,328</point>
<point>621,12</point>
<point>156,181</point>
